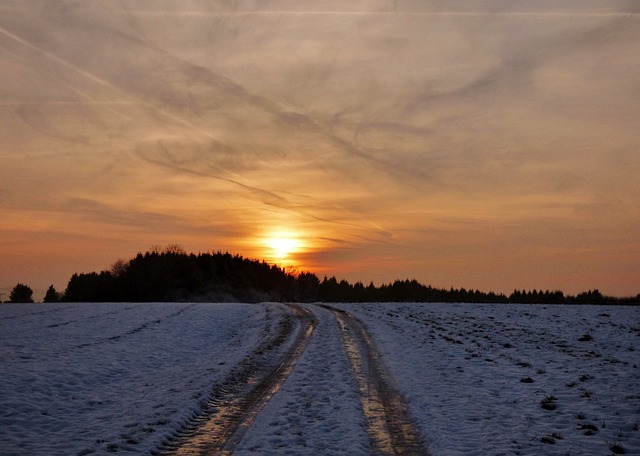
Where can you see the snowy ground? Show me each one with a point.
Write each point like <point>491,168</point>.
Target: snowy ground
<point>97,378</point>
<point>464,370</point>
<point>318,410</point>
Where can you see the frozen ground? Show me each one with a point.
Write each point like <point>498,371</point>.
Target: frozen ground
<point>318,410</point>
<point>464,370</point>
<point>99,378</point>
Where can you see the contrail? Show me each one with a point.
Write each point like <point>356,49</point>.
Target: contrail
<point>99,80</point>
<point>70,102</point>
<point>89,100</point>
<point>267,197</point>
<point>515,14</point>
<point>55,58</point>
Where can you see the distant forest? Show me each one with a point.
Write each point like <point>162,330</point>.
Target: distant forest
<point>170,274</point>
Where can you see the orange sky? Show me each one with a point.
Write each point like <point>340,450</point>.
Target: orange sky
<point>492,146</point>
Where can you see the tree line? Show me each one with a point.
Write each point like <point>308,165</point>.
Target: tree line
<point>170,274</point>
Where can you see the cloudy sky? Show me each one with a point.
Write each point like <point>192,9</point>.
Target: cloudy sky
<point>491,144</point>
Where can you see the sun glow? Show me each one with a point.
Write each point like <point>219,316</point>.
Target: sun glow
<point>282,246</point>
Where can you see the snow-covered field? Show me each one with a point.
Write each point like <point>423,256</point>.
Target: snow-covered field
<point>515,379</point>
<point>479,379</point>
<point>318,411</point>
<point>97,378</point>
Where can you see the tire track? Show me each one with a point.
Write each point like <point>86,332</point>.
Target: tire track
<point>234,404</point>
<point>38,312</point>
<point>117,337</point>
<point>91,317</point>
<point>389,424</point>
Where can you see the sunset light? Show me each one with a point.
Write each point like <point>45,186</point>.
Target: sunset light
<point>282,246</point>
<point>369,140</point>
<point>276,212</point>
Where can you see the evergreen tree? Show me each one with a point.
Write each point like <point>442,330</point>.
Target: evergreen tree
<point>52,295</point>
<point>173,275</point>
<point>21,293</point>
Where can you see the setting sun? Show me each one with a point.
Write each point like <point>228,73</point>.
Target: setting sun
<point>339,153</point>
<point>282,245</point>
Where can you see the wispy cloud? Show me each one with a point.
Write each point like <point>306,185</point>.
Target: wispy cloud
<point>403,136</point>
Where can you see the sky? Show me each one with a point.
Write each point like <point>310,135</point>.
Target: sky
<point>487,144</point>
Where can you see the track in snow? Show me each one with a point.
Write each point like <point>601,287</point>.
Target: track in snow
<point>390,427</point>
<point>235,404</point>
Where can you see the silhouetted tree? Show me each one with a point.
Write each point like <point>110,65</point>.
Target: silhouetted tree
<point>21,293</point>
<point>328,290</point>
<point>170,274</point>
<point>590,297</point>
<point>92,287</point>
<point>51,295</point>
<point>308,286</point>
<point>119,267</point>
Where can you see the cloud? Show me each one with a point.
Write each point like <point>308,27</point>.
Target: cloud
<point>379,129</point>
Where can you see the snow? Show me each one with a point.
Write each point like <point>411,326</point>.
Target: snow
<point>318,410</point>
<point>96,378</point>
<point>461,367</point>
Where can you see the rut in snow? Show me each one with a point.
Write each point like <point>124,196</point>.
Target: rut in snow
<point>390,427</point>
<point>236,403</point>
